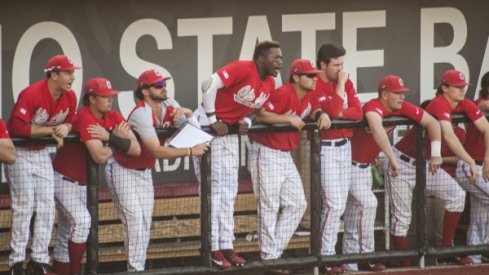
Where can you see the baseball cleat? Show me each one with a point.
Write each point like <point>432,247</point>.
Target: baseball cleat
<point>219,260</point>
<point>233,257</point>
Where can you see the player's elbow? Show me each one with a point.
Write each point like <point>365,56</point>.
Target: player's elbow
<point>134,150</point>
<point>10,159</point>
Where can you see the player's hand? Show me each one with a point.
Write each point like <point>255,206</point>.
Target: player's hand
<point>220,128</point>
<point>58,140</point>
<point>343,77</point>
<point>200,149</point>
<point>394,168</point>
<point>324,122</point>
<point>296,122</point>
<point>473,171</point>
<point>62,130</point>
<point>122,130</point>
<point>178,113</point>
<point>485,170</point>
<point>434,164</point>
<point>243,127</point>
<point>98,131</point>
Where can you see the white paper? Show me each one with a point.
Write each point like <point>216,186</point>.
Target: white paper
<point>188,136</point>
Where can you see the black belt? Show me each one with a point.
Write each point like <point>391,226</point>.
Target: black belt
<point>72,180</point>
<point>360,165</point>
<point>478,162</point>
<point>142,169</point>
<point>335,143</point>
<point>407,159</point>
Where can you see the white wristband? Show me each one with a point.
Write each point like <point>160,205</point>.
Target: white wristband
<point>212,119</point>
<point>436,148</point>
<point>248,121</point>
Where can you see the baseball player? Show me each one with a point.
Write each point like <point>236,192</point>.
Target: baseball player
<point>337,98</point>
<point>476,146</point>
<point>276,181</point>
<point>95,120</point>
<point>7,149</point>
<point>230,95</point>
<point>367,142</point>
<point>129,178</point>
<point>439,183</point>
<point>45,108</point>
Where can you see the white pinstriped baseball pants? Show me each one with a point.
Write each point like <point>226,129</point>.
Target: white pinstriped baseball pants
<point>224,185</point>
<point>478,232</point>
<point>440,184</point>
<point>360,212</point>
<point>335,181</point>
<point>276,185</point>
<point>31,184</point>
<point>74,219</point>
<point>133,194</point>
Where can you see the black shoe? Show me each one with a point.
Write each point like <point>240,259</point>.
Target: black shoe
<point>17,269</point>
<point>35,268</point>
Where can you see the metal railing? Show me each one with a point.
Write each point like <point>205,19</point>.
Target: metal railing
<point>422,249</point>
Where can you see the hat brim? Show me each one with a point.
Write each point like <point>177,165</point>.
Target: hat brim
<point>399,91</point>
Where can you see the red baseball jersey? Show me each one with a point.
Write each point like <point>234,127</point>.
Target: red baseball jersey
<point>243,92</point>
<point>71,159</point>
<point>285,101</point>
<point>332,104</point>
<point>144,122</point>
<point>36,106</point>
<point>3,130</point>
<point>364,148</point>
<point>475,144</point>
<point>440,108</point>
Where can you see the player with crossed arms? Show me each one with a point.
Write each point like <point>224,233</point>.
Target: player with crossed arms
<point>231,94</point>
<point>276,181</point>
<point>44,109</point>
<point>102,131</point>
<point>367,142</point>
<point>129,178</point>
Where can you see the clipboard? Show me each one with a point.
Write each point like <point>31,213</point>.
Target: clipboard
<point>188,135</point>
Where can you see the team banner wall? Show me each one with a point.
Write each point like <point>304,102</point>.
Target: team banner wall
<point>188,40</point>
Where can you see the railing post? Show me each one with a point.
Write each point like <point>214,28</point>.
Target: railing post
<point>419,192</point>
<point>94,177</point>
<point>205,209</point>
<point>315,194</point>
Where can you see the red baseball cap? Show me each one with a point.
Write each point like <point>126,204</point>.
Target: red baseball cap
<point>392,83</point>
<point>150,77</point>
<point>454,78</point>
<point>60,63</point>
<point>302,66</point>
<point>99,86</point>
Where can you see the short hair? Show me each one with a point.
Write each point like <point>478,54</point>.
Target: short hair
<point>262,48</point>
<point>48,74</point>
<point>327,52</point>
<point>484,91</point>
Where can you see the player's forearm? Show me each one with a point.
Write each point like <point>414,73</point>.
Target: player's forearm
<point>7,151</point>
<point>135,148</point>
<point>457,148</point>
<point>209,93</point>
<point>271,118</point>
<point>41,131</point>
<point>102,155</point>
<point>382,140</point>
<point>165,152</point>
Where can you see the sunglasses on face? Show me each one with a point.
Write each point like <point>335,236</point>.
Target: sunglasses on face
<point>308,75</point>
<point>159,84</point>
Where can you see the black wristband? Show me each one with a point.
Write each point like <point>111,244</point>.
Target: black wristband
<point>317,115</point>
<point>122,144</point>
